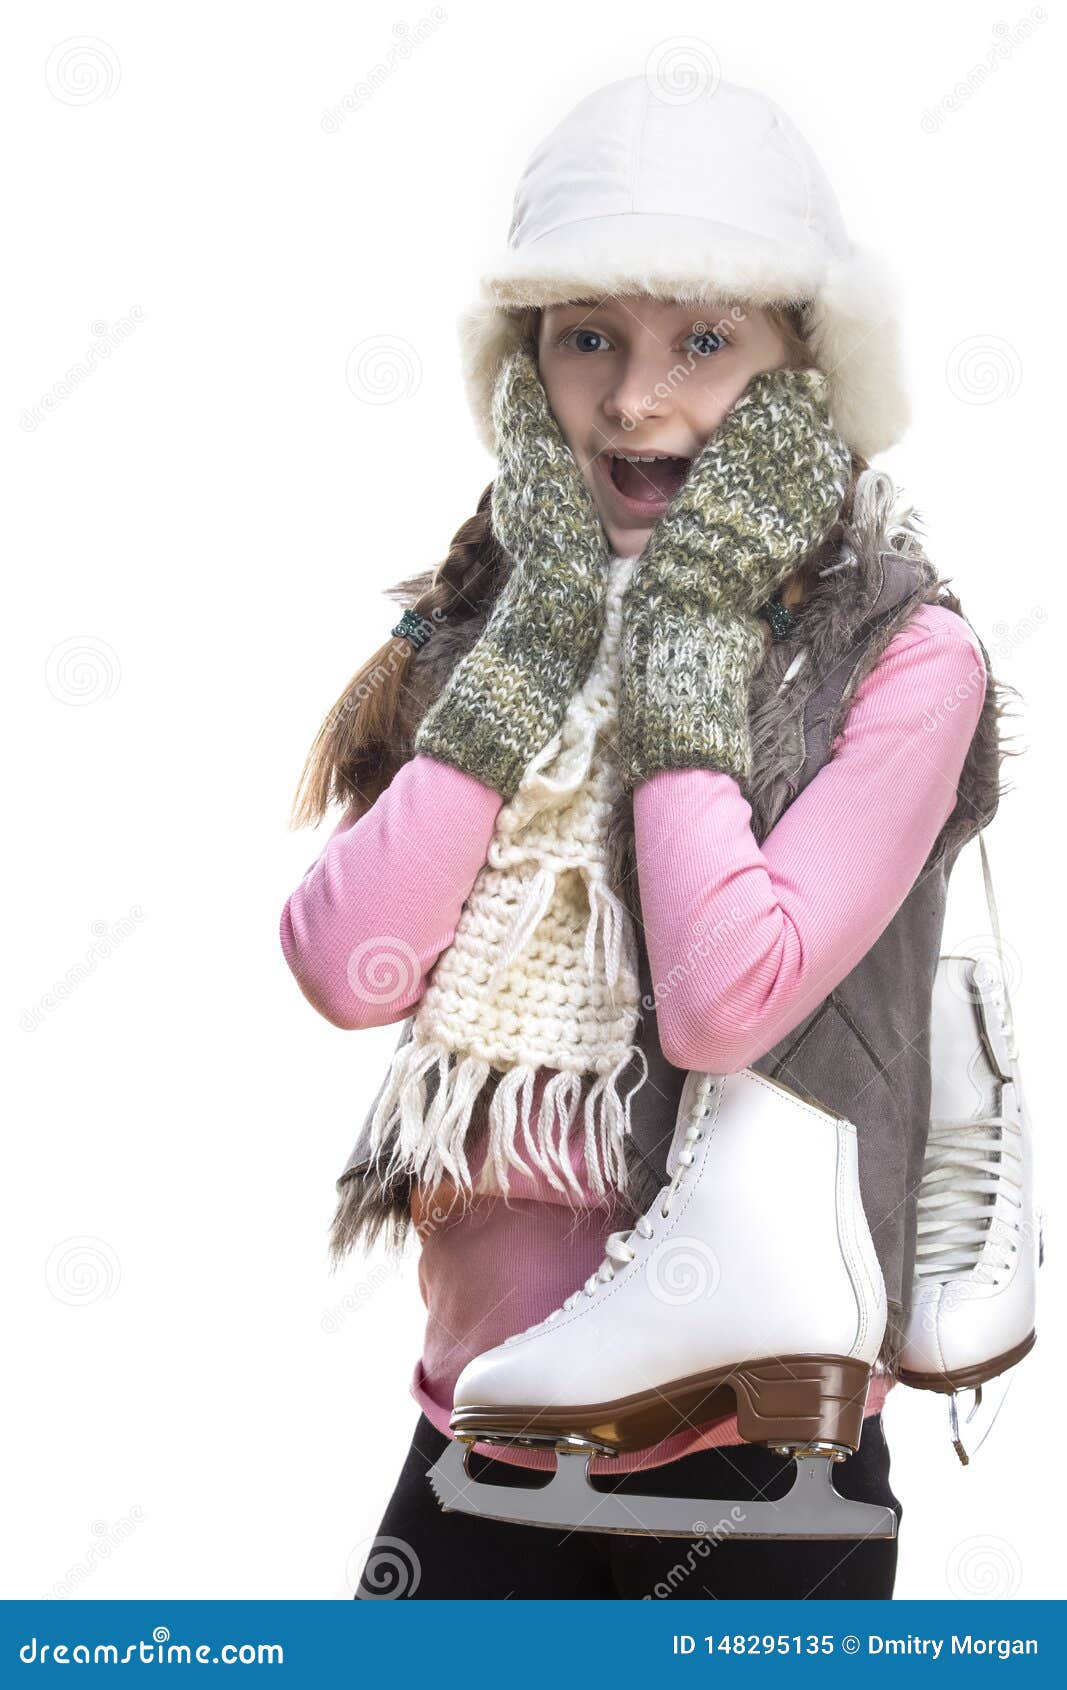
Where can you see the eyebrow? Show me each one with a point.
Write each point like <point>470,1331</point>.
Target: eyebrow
<point>606,303</point>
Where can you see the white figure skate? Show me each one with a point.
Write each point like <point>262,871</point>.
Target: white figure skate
<point>752,1281</point>
<point>979,1246</point>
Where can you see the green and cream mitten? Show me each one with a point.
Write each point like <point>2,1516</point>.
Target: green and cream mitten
<point>764,491</point>
<point>507,697</point>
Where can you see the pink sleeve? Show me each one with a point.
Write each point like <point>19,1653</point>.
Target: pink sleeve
<point>374,912</point>
<point>744,941</point>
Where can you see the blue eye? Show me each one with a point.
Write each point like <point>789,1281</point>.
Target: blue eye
<point>584,336</point>
<point>706,342</point>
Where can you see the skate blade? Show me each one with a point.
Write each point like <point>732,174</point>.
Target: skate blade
<point>812,1508</point>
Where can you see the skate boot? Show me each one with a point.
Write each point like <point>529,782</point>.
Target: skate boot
<point>978,1245</point>
<point>751,1282</point>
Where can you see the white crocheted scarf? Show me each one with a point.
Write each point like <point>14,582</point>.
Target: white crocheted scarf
<point>542,974</point>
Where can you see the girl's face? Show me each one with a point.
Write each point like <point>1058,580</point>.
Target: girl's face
<point>633,377</point>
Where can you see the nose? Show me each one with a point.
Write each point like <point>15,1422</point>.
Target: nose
<point>638,392</point>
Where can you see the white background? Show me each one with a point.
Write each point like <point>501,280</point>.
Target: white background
<point>196,1407</point>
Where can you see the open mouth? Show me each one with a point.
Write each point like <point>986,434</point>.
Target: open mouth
<point>644,482</point>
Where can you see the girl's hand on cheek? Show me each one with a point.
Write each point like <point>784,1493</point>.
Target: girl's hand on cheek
<point>764,492</point>
<point>508,696</point>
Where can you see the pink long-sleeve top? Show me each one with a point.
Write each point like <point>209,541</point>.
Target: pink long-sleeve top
<point>791,917</point>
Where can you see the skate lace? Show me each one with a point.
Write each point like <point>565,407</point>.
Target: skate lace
<point>618,1251</point>
<point>969,1164</point>
<point>994,979</point>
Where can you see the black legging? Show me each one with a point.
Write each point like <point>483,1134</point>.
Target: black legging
<point>422,1552</point>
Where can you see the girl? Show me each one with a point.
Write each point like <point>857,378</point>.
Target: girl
<point>664,768</point>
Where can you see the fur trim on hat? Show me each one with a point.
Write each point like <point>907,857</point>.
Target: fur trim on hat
<point>851,319</point>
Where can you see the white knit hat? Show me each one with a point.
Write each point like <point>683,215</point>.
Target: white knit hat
<point>706,200</point>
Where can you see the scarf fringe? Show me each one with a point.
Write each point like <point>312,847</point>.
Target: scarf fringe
<point>604,904</point>
<point>430,1143</point>
<point>607,914</point>
<point>536,900</point>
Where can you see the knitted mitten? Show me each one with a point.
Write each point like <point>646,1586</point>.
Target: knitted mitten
<point>765,490</point>
<point>508,696</point>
